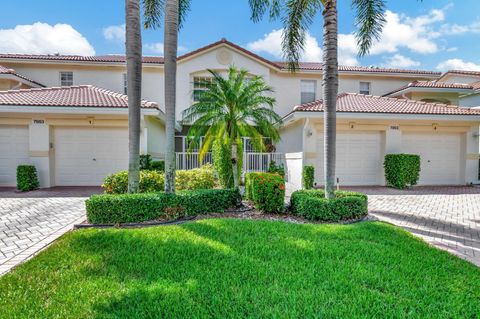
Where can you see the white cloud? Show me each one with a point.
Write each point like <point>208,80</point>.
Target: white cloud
<point>115,33</point>
<point>458,64</point>
<point>400,61</point>
<point>42,38</point>
<point>457,29</point>
<point>157,48</point>
<point>347,49</point>
<point>452,49</point>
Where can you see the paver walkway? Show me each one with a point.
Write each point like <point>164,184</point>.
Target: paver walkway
<point>446,217</point>
<point>31,221</point>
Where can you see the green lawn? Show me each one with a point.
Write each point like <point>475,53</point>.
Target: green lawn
<point>231,268</point>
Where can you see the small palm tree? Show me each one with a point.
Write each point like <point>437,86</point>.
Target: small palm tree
<point>297,16</point>
<point>233,107</point>
<point>134,81</point>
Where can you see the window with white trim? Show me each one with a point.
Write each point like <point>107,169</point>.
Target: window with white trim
<point>365,88</point>
<point>308,90</point>
<point>66,78</point>
<point>200,85</point>
<point>125,84</point>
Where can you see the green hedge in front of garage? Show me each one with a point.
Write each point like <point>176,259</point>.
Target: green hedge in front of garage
<point>402,170</point>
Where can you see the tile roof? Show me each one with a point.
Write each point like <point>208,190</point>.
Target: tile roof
<point>80,58</point>
<point>4,70</point>
<point>68,96</point>
<point>432,85</point>
<point>359,103</point>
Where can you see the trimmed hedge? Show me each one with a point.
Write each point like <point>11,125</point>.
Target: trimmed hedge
<point>276,169</point>
<point>266,191</point>
<point>312,205</point>
<point>145,161</point>
<point>308,176</point>
<point>198,178</point>
<point>158,166</point>
<point>27,178</point>
<point>402,170</point>
<point>129,208</point>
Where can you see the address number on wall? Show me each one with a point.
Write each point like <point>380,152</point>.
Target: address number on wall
<point>394,127</point>
<point>38,121</point>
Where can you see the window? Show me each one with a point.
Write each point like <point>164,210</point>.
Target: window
<point>66,78</point>
<point>308,90</point>
<point>200,85</point>
<point>365,88</point>
<point>125,85</point>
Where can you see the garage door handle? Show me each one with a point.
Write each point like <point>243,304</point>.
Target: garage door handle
<point>94,159</point>
<point>428,161</point>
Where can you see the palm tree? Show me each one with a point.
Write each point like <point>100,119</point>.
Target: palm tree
<point>231,108</point>
<point>297,16</point>
<point>174,11</point>
<point>134,89</point>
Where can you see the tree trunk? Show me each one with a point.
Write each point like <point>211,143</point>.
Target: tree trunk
<point>330,92</point>
<point>170,53</point>
<point>134,89</point>
<point>236,183</point>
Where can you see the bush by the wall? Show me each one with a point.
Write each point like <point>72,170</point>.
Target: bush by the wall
<point>308,176</point>
<point>128,208</point>
<point>266,191</point>
<point>27,178</point>
<point>222,162</point>
<point>402,170</point>
<point>274,168</point>
<point>145,161</point>
<point>198,178</point>
<point>158,166</point>
<point>313,205</point>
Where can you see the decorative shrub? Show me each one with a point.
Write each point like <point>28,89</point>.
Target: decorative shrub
<point>308,176</point>
<point>199,178</point>
<point>158,166</point>
<point>402,170</point>
<point>276,169</point>
<point>145,161</point>
<point>266,191</point>
<point>222,162</point>
<point>313,205</point>
<point>154,181</point>
<point>27,178</point>
<point>128,208</point>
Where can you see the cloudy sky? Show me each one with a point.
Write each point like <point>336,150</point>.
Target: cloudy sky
<point>428,34</point>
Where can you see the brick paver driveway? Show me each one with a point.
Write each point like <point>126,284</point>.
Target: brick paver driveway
<point>446,217</point>
<point>31,221</point>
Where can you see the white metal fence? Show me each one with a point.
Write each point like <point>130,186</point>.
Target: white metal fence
<point>252,162</point>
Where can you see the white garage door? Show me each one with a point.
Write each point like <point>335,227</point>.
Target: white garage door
<point>85,155</point>
<point>440,156</point>
<point>359,158</point>
<point>13,152</point>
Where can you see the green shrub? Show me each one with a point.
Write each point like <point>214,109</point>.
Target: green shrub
<point>308,176</point>
<point>27,178</point>
<point>401,170</point>
<point>266,191</point>
<point>222,162</point>
<point>276,169</point>
<point>198,178</point>
<point>158,166</point>
<point>128,208</point>
<point>145,161</point>
<point>313,205</point>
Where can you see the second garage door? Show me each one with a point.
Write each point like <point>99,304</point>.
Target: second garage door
<point>85,155</point>
<point>359,158</point>
<point>14,151</point>
<point>440,156</point>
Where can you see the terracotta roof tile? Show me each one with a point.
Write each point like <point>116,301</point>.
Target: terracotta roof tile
<point>359,103</point>
<point>432,85</point>
<point>79,58</point>
<point>69,96</point>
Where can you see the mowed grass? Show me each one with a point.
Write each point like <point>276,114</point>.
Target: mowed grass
<point>227,268</point>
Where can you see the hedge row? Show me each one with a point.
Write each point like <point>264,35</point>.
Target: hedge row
<point>128,208</point>
<point>313,205</point>
<point>402,170</point>
<point>27,178</point>
<point>266,191</point>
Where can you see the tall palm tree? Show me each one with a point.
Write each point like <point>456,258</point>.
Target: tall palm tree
<point>134,89</point>
<point>297,16</point>
<point>174,11</point>
<point>233,107</point>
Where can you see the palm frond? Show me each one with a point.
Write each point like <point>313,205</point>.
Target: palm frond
<point>370,19</point>
<point>153,12</point>
<point>258,8</point>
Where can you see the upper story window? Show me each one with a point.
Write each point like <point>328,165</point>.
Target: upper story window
<point>66,78</point>
<point>308,91</point>
<point>365,88</point>
<point>200,85</point>
<point>125,84</point>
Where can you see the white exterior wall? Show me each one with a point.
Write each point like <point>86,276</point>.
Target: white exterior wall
<point>470,100</point>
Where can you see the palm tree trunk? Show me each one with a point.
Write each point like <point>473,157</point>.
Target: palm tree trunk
<point>236,183</point>
<point>330,91</point>
<point>170,48</point>
<point>134,90</point>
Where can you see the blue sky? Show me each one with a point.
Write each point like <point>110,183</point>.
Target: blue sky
<point>440,34</point>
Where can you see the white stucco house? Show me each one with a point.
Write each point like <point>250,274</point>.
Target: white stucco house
<point>67,115</point>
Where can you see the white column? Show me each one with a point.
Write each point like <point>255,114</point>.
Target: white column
<point>144,141</point>
<point>393,140</point>
<point>472,155</point>
<point>39,141</point>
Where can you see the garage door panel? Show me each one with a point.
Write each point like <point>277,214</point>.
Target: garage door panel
<point>14,151</point>
<point>85,155</point>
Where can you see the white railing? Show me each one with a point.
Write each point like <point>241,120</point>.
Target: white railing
<point>252,162</point>
<point>186,160</point>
